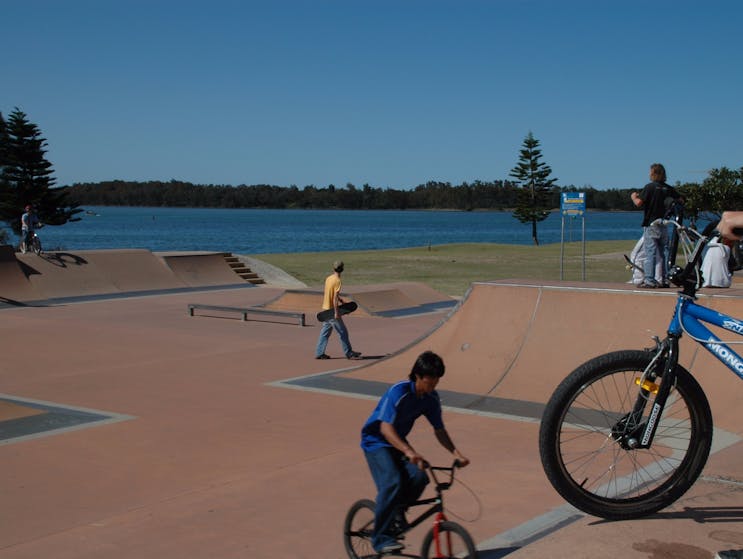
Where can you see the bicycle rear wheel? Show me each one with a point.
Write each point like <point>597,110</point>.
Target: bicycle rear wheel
<point>453,541</point>
<point>584,438</point>
<point>357,530</point>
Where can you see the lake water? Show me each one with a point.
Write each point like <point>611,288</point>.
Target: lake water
<point>250,231</point>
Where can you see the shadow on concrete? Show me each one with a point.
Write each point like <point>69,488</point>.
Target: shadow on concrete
<point>62,259</point>
<point>701,515</point>
<point>12,302</point>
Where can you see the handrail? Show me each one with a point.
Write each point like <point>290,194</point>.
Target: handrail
<point>245,311</point>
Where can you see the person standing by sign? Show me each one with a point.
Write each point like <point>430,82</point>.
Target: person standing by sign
<point>654,198</point>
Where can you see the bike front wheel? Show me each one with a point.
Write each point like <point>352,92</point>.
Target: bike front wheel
<point>451,540</point>
<point>587,437</point>
<point>357,530</point>
<point>36,243</point>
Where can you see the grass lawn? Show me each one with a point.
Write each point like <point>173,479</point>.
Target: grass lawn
<point>452,268</point>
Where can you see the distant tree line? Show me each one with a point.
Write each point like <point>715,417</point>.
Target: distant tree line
<point>478,195</point>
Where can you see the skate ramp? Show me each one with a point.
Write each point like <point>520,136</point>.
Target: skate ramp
<point>384,300</point>
<point>26,278</point>
<point>401,299</point>
<point>508,345</point>
<point>14,284</point>
<point>199,269</point>
<point>82,273</point>
<point>392,299</point>
<point>307,301</point>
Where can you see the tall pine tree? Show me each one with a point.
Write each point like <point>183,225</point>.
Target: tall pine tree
<point>26,175</point>
<point>533,198</point>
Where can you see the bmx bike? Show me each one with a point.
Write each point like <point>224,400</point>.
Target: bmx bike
<point>629,432</point>
<point>33,244</point>
<point>443,540</point>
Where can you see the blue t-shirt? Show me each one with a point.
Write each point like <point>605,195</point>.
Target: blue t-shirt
<point>400,406</point>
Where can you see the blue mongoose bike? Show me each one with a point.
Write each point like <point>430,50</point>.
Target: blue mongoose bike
<point>628,433</point>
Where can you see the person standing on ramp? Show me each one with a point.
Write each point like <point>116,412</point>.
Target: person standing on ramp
<point>332,300</point>
<point>655,199</point>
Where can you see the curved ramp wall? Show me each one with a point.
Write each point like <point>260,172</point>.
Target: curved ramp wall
<point>74,274</point>
<point>518,341</point>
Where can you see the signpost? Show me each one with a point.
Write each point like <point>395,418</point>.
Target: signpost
<point>573,205</point>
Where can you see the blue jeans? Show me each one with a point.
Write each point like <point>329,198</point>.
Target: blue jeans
<point>399,484</point>
<point>655,238</point>
<point>327,329</point>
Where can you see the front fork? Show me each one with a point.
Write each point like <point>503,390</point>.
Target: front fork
<point>633,431</point>
<point>443,549</point>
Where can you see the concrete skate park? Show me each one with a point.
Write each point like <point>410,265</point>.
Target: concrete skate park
<point>135,426</point>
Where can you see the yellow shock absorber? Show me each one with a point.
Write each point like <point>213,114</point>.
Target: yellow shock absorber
<point>646,384</point>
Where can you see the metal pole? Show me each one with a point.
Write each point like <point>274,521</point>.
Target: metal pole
<point>584,247</point>
<point>562,243</point>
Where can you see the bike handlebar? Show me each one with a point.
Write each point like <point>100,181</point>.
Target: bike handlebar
<point>688,277</point>
<point>456,464</point>
<point>442,485</point>
<point>712,234</point>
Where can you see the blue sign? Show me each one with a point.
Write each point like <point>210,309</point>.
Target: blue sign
<point>573,203</point>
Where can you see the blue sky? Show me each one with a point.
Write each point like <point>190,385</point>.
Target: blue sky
<point>386,93</point>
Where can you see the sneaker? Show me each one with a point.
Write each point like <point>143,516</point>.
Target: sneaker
<point>399,527</point>
<point>355,355</point>
<point>648,285</point>
<point>323,356</point>
<point>390,547</point>
<point>730,554</point>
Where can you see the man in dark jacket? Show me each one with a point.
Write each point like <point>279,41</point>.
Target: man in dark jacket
<point>654,199</point>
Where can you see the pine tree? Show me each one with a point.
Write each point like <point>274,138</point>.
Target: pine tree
<point>26,175</point>
<point>533,198</point>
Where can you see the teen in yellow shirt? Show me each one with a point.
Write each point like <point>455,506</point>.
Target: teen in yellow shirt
<point>332,300</point>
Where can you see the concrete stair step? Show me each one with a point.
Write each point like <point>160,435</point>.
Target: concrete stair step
<point>239,267</point>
